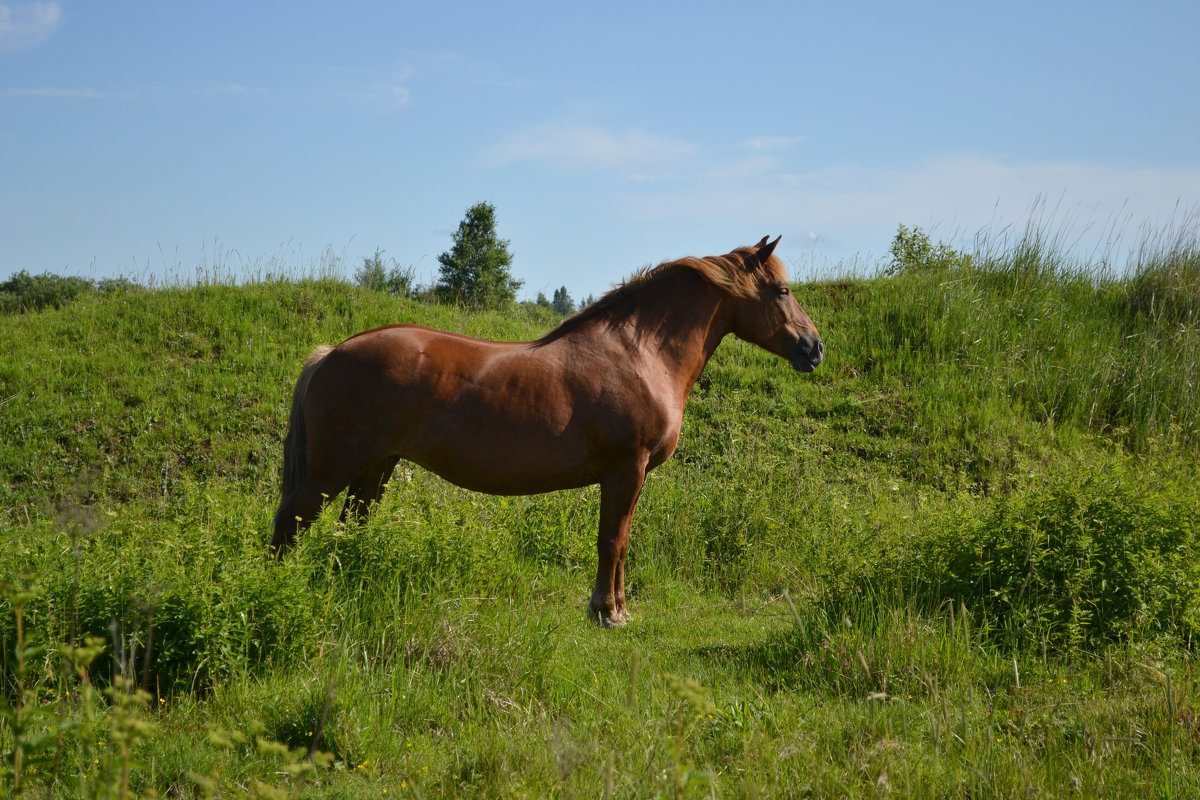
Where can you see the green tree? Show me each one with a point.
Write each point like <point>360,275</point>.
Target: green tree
<point>474,271</point>
<point>563,304</point>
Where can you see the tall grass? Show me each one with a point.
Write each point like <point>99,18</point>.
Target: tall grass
<point>1074,346</point>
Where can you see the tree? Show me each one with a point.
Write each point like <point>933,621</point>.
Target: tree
<point>474,271</point>
<point>563,304</point>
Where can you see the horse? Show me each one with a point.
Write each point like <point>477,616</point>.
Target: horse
<point>597,400</point>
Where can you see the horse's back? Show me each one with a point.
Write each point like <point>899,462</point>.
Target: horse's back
<point>446,368</point>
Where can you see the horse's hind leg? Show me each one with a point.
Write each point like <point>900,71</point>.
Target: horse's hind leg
<point>367,488</point>
<point>296,513</point>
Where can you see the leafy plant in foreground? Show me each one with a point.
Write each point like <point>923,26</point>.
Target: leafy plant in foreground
<point>1077,563</point>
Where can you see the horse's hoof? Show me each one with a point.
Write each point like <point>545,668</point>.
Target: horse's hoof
<point>615,620</point>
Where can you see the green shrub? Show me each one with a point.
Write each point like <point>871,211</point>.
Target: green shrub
<point>25,292</point>
<point>201,611</point>
<point>397,280</point>
<point>1077,562</point>
<point>912,250</point>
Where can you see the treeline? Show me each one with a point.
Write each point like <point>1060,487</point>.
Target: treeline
<point>475,273</point>
<point>392,277</point>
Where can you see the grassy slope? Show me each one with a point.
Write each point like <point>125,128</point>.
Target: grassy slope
<point>958,558</point>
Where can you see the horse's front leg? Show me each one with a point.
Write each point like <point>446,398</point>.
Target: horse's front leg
<point>618,498</point>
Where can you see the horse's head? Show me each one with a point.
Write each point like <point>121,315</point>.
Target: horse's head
<point>770,317</point>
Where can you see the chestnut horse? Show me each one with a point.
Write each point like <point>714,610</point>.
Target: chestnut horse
<point>597,400</point>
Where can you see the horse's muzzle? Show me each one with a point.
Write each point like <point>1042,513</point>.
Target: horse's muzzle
<point>808,354</point>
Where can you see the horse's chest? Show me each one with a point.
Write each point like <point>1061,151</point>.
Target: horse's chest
<point>664,447</point>
<point>663,434</point>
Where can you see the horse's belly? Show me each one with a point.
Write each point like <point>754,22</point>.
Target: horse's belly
<point>508,469</point>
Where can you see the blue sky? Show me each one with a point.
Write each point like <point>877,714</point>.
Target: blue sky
<point>152,138</point>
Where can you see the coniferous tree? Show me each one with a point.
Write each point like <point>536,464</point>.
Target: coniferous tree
<point>562,303</point>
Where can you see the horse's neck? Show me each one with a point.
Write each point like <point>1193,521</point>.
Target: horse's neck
<point>679,328</point>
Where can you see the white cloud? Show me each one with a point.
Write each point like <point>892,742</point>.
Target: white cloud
<point>51,92</point>
<point>772,142</point>
<point>392,94</point>
<point>210,90</point>
<point>391,91</point>
<point>1092,207</point>
<point>231,90</point>
<point>638,155</point>
<point>27,25</point>
<point>1084,204</point>
<point>969,193</point>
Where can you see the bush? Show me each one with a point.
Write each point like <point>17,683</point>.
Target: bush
<point>201,611</point>
<point>25,292</point>
<point>375,276</point>
<point>912,250</point>
<point>1075,563</point>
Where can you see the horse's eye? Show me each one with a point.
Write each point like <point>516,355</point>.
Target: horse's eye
<point>783,290</point>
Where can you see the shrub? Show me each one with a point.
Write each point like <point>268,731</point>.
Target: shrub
<point>375,276</point>
<point>25,292</point>
<point>1074,563</point>
<point>912,250</point>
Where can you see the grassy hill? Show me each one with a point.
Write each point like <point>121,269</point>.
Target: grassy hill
<point>958,559</point>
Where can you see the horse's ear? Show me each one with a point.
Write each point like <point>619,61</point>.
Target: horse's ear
<point>765,248</point>
<point>761,242</point>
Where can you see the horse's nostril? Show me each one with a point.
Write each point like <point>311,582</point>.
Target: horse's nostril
<point>818,351</point>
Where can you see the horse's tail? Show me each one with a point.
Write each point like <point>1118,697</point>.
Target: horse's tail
<point>295,444</point>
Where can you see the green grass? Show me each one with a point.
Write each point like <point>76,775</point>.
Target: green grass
<point>959,559</point>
